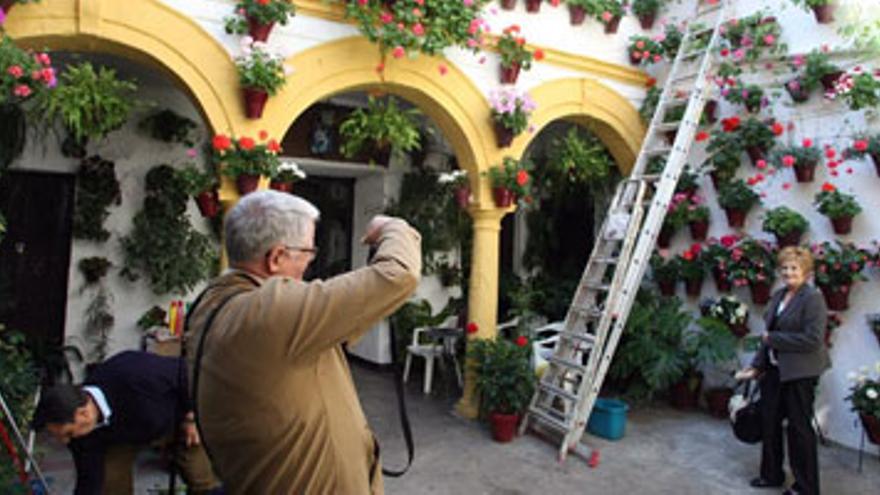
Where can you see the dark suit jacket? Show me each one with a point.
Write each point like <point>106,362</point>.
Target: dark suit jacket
<point>147,395</point>
<point>797,335</point>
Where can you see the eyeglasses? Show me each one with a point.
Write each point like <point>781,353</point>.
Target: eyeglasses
<point>311,250</point>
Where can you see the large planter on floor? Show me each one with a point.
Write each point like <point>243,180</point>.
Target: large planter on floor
<point>685,393</point>
<point>760,292</point>
<point>824,13</point>
<point>503,426</point>
<point>842,225</point>
<point>608,419</point>
<point>836,298</point>
<point>254,102</point>
<point>872,427</point>
<point>576,15</point>
<point>716,401</point>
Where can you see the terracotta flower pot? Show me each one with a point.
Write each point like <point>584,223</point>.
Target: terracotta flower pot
<point>533,6</point>
<point>805,172</point>
<point>208,203</point>
<point>792,238</point>
<point>756,154</point>
<point>752,106</point>
<point>635,57</point>
<point>667,287</point>
<point>503,197</point>
<point>739,330</point>
<point>503,426</point>
<point>247,183</point>
<point>709,111</point>
<point>722,283</point>
<point>760,292</point>
<point>510,74</point>
<point>836,298</point>
<point>281,186</point>
<point>503,135</point>
<point>828,80</point>
<point>716,401</point>
<point>875,157</point>
<point>735,218</point>
<point>254,102</point>
<point>842,225</point>
<point>6,5</point>
<point>508,4</point>
<point>798,93</point>
<point>576,15</point>
<point>665,237</point>
<point>259,31</point>
<point>693,286</point>
<point>462,196</point>
<point>612,25</point>
<point>699,230</point>
<point>824,13</point>
<point>647,21</point>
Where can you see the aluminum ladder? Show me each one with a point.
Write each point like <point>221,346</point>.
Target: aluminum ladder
<point>567,391</point>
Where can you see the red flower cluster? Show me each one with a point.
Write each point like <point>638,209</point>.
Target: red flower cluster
<point>692,252</point>
<point>730,124</point>
<point>522,341</point>
<point>471,328</point>
<point>828,187</point>
<point>222,143</point>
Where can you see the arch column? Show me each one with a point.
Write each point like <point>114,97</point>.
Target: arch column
<point>483,295</point>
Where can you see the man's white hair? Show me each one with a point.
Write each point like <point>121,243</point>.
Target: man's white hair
<point>263,219</point>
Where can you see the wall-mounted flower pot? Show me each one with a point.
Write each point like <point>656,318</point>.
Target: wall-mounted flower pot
<point>576,15</point>
<point>824,13</point>
<point>281,186</point>
<point>259,31</point>
<point>503,135</point>
<point>756,154</point>
<point>247,183</point>
<point>836,298</point>
<point>462,197</point>
<point>254,102</point>
<point>612,25</point>
<point>760,292</point>
<point>693,286</point>
<point>208,203</point>
<point>709,111</point>
<point>6,5</point>
<point>716,401</point>
<point>828,80</point>
<point>796,91</point>
<point>533,6</point>
<point>664,238</point>
<point>753,106</point>
<point>805,172</point>
<point>508,4</point>
<point>667,287</point>
<point>739,330</point>
<point>503,426</point>
<point>791,238</point>
<point>735,218</point>
<point>510,74</point>
<point>722,283</point>
<point>647,21</point>
<point>503,197</point>
<point>699,230</point>
<point>842,225</point>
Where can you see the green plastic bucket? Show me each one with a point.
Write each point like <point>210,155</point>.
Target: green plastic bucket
<point>608,419</point>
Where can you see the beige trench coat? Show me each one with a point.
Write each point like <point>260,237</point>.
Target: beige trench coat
<point>277,405</point>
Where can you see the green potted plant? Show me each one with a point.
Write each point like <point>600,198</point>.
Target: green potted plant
<point>732,312</point>
<point>380,129</point>
<point>514,54</point>
<point>577,11</point>
<point>786,224</point>
<point>94,268</point>
<point>458,182</point>
<point>257,17</point>
<point>692,268</point>
<point>749,95</point>
<point>170,127</point>
<point>823,10</point>
<point>510,111</point>
<point>608,12</point>
<point>858,88</point>
<point>287,174</point>
<point>580,159</point>
<point>803,159</point>
<point>718,253</point>
<point>646,11</point>
<point>839,207</point>
<point>864,398</point>
<point>17,68</point>
<point>838,266</point>
<point>665,272</point>
<point>510,181</point>
<point>698,217</point>
<point>672,38</point>
<point>751,37</point>
<point>644,50</point>
<point>757,137</point>
<point>97,190</point>
<point>817,70</point>
<point>90,104</point>
<point>724,152</point>
<point>202,186</point>
<point>737,199</point>
<point>505,381</point>
<point>866,145</point>
<point>245,160</point>
<point>753,263</point>
<point>676,218</point>
<point>260,75</point>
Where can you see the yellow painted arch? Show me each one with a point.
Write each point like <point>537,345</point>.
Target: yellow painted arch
<point>146,31</point>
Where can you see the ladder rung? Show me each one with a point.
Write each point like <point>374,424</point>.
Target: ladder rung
<point>644,178</point>
<point>567,363</point>
<point>609,260</point>
<point>561,392</point>
<point>560,424</point>
<point>663,150</point>
<point>678,79</point>
<point>583,337</point>
<point>588,312</point>
<point>694,54</point>
<point>597,286</point>
<point>678,100</point>
<point>668,126</point>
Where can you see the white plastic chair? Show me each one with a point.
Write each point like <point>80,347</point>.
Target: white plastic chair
<point>544,341</point>
<point>428,351</point>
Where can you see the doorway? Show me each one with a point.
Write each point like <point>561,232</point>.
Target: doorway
<point>334,196</point>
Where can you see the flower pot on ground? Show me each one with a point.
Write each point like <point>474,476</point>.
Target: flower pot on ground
<point>510,181</point>
<point>384,127</point>
<point>503,426</point>
<point>260,74</point>
<point>786,224</point>
<point>533,6</point>
<point>510,110</point>
<point>257,17</point>
<point>716,401</point>
<point>839,207</point>
<point>685,393</point>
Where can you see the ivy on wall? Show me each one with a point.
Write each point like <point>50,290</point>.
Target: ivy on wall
<point>97,189</point>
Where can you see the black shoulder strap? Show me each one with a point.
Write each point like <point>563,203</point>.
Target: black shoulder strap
<point>401,409</point>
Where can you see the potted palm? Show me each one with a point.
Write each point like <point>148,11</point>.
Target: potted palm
<point>258,17</point>
<point>665,272</point>
<point>505,381</point>
<point>753,263</point>
<point>260,74</point>
<point>646,11</point>
<point>514,54</point>
<point>510,111</point>
<point>608,12</point>
<point>510,181</point>
<point>864,398</point>
<point>866,146</point>
<point>287,174</point>
<point>823,10</point>
<point>839,207</point>
<point>202,186</point>
<point>245,160</point>
<point>380,129</point>
<point>803,159</point>
<point>692,268</point>
<point>737,199</point>
<point>786,224</point>
<point>718,254</point>
<point>837,268</point>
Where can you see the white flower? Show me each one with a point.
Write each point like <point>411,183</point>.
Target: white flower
<point>871,393</point>
<point>291,166</point>
<point>450,177</point>
<point>246,42</point>
<point>741,312</point>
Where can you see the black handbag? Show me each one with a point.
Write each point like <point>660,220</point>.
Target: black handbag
<point>746,419</point>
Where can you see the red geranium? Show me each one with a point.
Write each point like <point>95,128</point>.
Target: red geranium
<point>221,142</point>
<point>246,143</point>
<point>471,328</point>
<point>828,187</point>
<point>522,177</point>
<point>730,124</point>
<point>522,341</point>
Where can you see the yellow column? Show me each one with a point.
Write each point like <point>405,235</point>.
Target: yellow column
<point>483,295</point>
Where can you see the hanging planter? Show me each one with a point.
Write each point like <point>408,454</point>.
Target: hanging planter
<point>510,112</point>
<point>462,196</point>
<point>503,135</point>
<point>842,225</point>
<point>533,6</point>
<point>699,230</point>
<point>667,287</point>
<point>282,186</point>
<point>710,110</point>
<point>258,17</point>
<point>693,286</point>
<point>510,181</point>
<point>824,13</point>
<point>254,102</point>
<point>647,21</point>
<point>503,426</point>
<point>247,183</point>
<point>259,31</point>
<point>664,238</point>
<point>796,91</point>
<point>508,4</point>
<point>208,203</point>
<point>612,25</point>
<point>871,424</point>
<point>510,74</point>
<point>736,218</point>
<point>805,171</point>
<point>839,207</point>
<point>260,74</point>
<point>756,154</point>
<point>792,238</point>
<point>760,292</point>
<point>829,79</point>
<point>722,283</point>
<point>503,197</point>
<point>836,297</point>
<point>576,14</point>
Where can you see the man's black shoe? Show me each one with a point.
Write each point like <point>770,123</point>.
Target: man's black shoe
<point>762,483</point>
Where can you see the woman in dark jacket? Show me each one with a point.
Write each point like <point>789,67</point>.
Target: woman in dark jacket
<point>789,362</point>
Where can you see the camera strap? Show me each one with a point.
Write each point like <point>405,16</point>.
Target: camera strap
<point>404,417</point>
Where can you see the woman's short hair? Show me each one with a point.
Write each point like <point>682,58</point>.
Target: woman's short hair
<point>801,256</point>
<point>263,219</point>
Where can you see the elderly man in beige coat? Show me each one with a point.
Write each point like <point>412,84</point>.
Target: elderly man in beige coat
<point>277,407</point>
